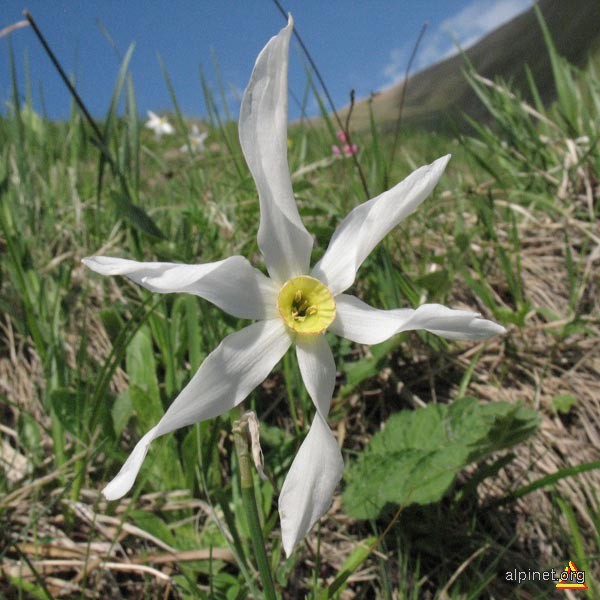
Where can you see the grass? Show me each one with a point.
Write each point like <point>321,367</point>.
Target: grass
<point>88,364</point>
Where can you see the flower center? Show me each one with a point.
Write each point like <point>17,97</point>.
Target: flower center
<point>306,305</point>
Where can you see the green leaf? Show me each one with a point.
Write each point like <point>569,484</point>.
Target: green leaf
<point>121,412</point>
<point>415,459</point>
<point>141,368</point>
<point>113,323</point>
<point>70,407</point>
<point>153,525</point>
<point>135,215</point>
<point>200,450</point>
<point>226,586</point>
<point>144,393</point>
<point>435,281</point>
<point>358,371</point>
<point>564,402</point>
<point>357,557</point>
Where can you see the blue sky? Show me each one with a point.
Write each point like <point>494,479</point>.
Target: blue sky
<point>356,44</point>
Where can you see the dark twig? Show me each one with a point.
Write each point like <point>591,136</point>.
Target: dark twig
<point>313,65</point>
<point>346,130</point>
<point>350,109</point>
<point>403,96</point>
<point>329,98</point>
<point>98,139</point>
<point>63,76</point>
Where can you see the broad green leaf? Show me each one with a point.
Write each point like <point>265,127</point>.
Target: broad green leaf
<point>415,459</point>
<point>145,400</point>
<point>153,525</point>
<point>143,383</point>
<point>121,412</point>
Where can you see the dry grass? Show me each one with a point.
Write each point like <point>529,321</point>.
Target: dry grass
<point>76,546</point>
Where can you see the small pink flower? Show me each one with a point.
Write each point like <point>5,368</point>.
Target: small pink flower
<point>347,149</point>
<point>350,150</point>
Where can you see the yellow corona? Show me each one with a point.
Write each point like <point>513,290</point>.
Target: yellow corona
<point>306,305</point>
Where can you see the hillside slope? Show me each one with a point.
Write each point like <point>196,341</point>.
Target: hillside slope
<point>440,93</point>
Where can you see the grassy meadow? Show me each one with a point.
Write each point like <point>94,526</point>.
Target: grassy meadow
<point>464,460</point>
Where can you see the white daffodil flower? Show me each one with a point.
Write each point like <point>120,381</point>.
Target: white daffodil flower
<point>160,125</point>
<point>294,305</point>
<point>197,140</point>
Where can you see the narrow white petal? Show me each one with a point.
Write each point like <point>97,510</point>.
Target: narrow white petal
<point>233,284</point>
<point>308,488</point>
<point>123,482</point>
<point>282,238</point>
<point>238,364</point>
<point>317,368</point>
<point>366,225</point>
<point>364,324</point>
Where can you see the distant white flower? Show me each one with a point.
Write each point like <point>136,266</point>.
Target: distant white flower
<point>160,125</point>
<point>294,305</point>
<point>197,140</point>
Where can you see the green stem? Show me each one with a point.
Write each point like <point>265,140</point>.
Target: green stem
<point>251,510</point>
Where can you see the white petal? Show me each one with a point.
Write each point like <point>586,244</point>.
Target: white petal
<point>282,238</point>
<point>317,368</point>
<point>364,324</point>
<point>233,284</point>
<point>122,483</point>
<point>308,488</point>
<point>366,225</point>
<point>238,364</point>
<point>153,122</point>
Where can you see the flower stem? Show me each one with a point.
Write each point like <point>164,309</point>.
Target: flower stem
<point>250,508</point>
